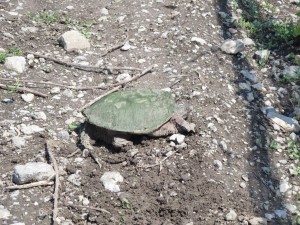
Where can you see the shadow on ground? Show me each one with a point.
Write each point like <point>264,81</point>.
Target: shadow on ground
<point>262,185</point>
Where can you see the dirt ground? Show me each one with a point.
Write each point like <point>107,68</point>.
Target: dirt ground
<point>186,188</point>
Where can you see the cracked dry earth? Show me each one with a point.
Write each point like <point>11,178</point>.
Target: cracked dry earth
<point>218,178</point>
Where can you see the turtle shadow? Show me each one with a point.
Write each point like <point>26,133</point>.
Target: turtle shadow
<point>102,137</point>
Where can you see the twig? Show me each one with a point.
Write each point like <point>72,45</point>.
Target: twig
<point>95,158</point>
<point>145,71</point>
<point>55,195</point>
<point>73,153</point>
<point>160,162</point>
<point>117,87</point>
<point>31,185</point>
<point>20,89</point>
<point>96,69</point>
<point>80,88</point>
<point>99,97</point>
<point>89,207</point>
<point>115,47</point>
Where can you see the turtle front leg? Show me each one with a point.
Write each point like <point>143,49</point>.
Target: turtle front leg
<point>85,138</point>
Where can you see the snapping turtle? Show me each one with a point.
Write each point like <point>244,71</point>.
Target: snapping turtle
<point>118,116</point>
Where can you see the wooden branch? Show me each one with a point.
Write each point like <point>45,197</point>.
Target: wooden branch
<point>22,90</point>
<point>31,185</point>
<point>145,71</point>
<point>115,47</point>
<point>80,88</point>
<point>96,69</point>
<point>116,87</point>
<point>89,207</point>
<point>55,195</point>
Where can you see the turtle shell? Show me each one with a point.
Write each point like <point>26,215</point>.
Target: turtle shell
<point>134,111</point>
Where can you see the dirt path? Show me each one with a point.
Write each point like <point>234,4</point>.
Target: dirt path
<point>225,175</point>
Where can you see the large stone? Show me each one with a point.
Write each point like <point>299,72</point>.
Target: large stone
<point>73,40</point>
<point>15,63</point>
<point>258,221</point>
<point>30,129</point>
<point>286,123</point>
<point>4,213</point>
<point>110,181</point>
<point>233,47</point>
<point>249,75</point>
<point>231,216</point>
<point>291,71</point>
<point>32,172</point>
<point>18,141</point>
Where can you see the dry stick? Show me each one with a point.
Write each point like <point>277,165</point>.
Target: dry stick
<point>74,153</point>
<point>116,87</point>
<point>95,158</point>
<point>81,88</point>
<point>20,89</point>
<point>99,97</point>
<point>160,162</point>
<point>96,69</point>
<point>55,195</point>
<point>89,207</point>
<point>116,46</point>
<point>31,185</point>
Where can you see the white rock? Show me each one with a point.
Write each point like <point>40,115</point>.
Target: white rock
<point>250,97</point>
<point>177,138</point>
<point>110,181</point>
<point>291,208</point>
<point>232,47</point>
<point>4,213</point>
<point>291,71</point>
<point>245,86</point>
<point>269,216</point>
<point>104,11</point>
<point>218,164</point>
<point>17,224</point>
<point>29,29</point>
<point>284,186</point>
<point>55,90</point>
<point>15,63</point>
<point>30,129</point>
<point>258,221</point>
<point>243,185</point>
<point>27,97</point>
<point>73,40</point>
<point>70,7</point>
<point>198,40</point>
<point>257,86</point>
<point>262,54</point>
<point>39,115</point>
<point>75,179</point>
<point>126,46</point>
<point>280,213</point>
<point>68,93</point>
<point>249,75</point>
<point>248,41</point>
<point>287,123</point>
<point>31,172</point>
<point>123,77</point>
<point>18,141</point>
<point>231,216</point>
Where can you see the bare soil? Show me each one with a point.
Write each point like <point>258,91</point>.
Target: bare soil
<point>187,188</point>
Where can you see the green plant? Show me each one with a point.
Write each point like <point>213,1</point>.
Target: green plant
<point>3,56</point>
<point>293,149</point>
<point>15,51</point>
<point>124,204</point>
<point>14,88</point>
<point>72,127</point>
<point>274,145</point>
<point>46,17</point>
<point>286,78</point>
